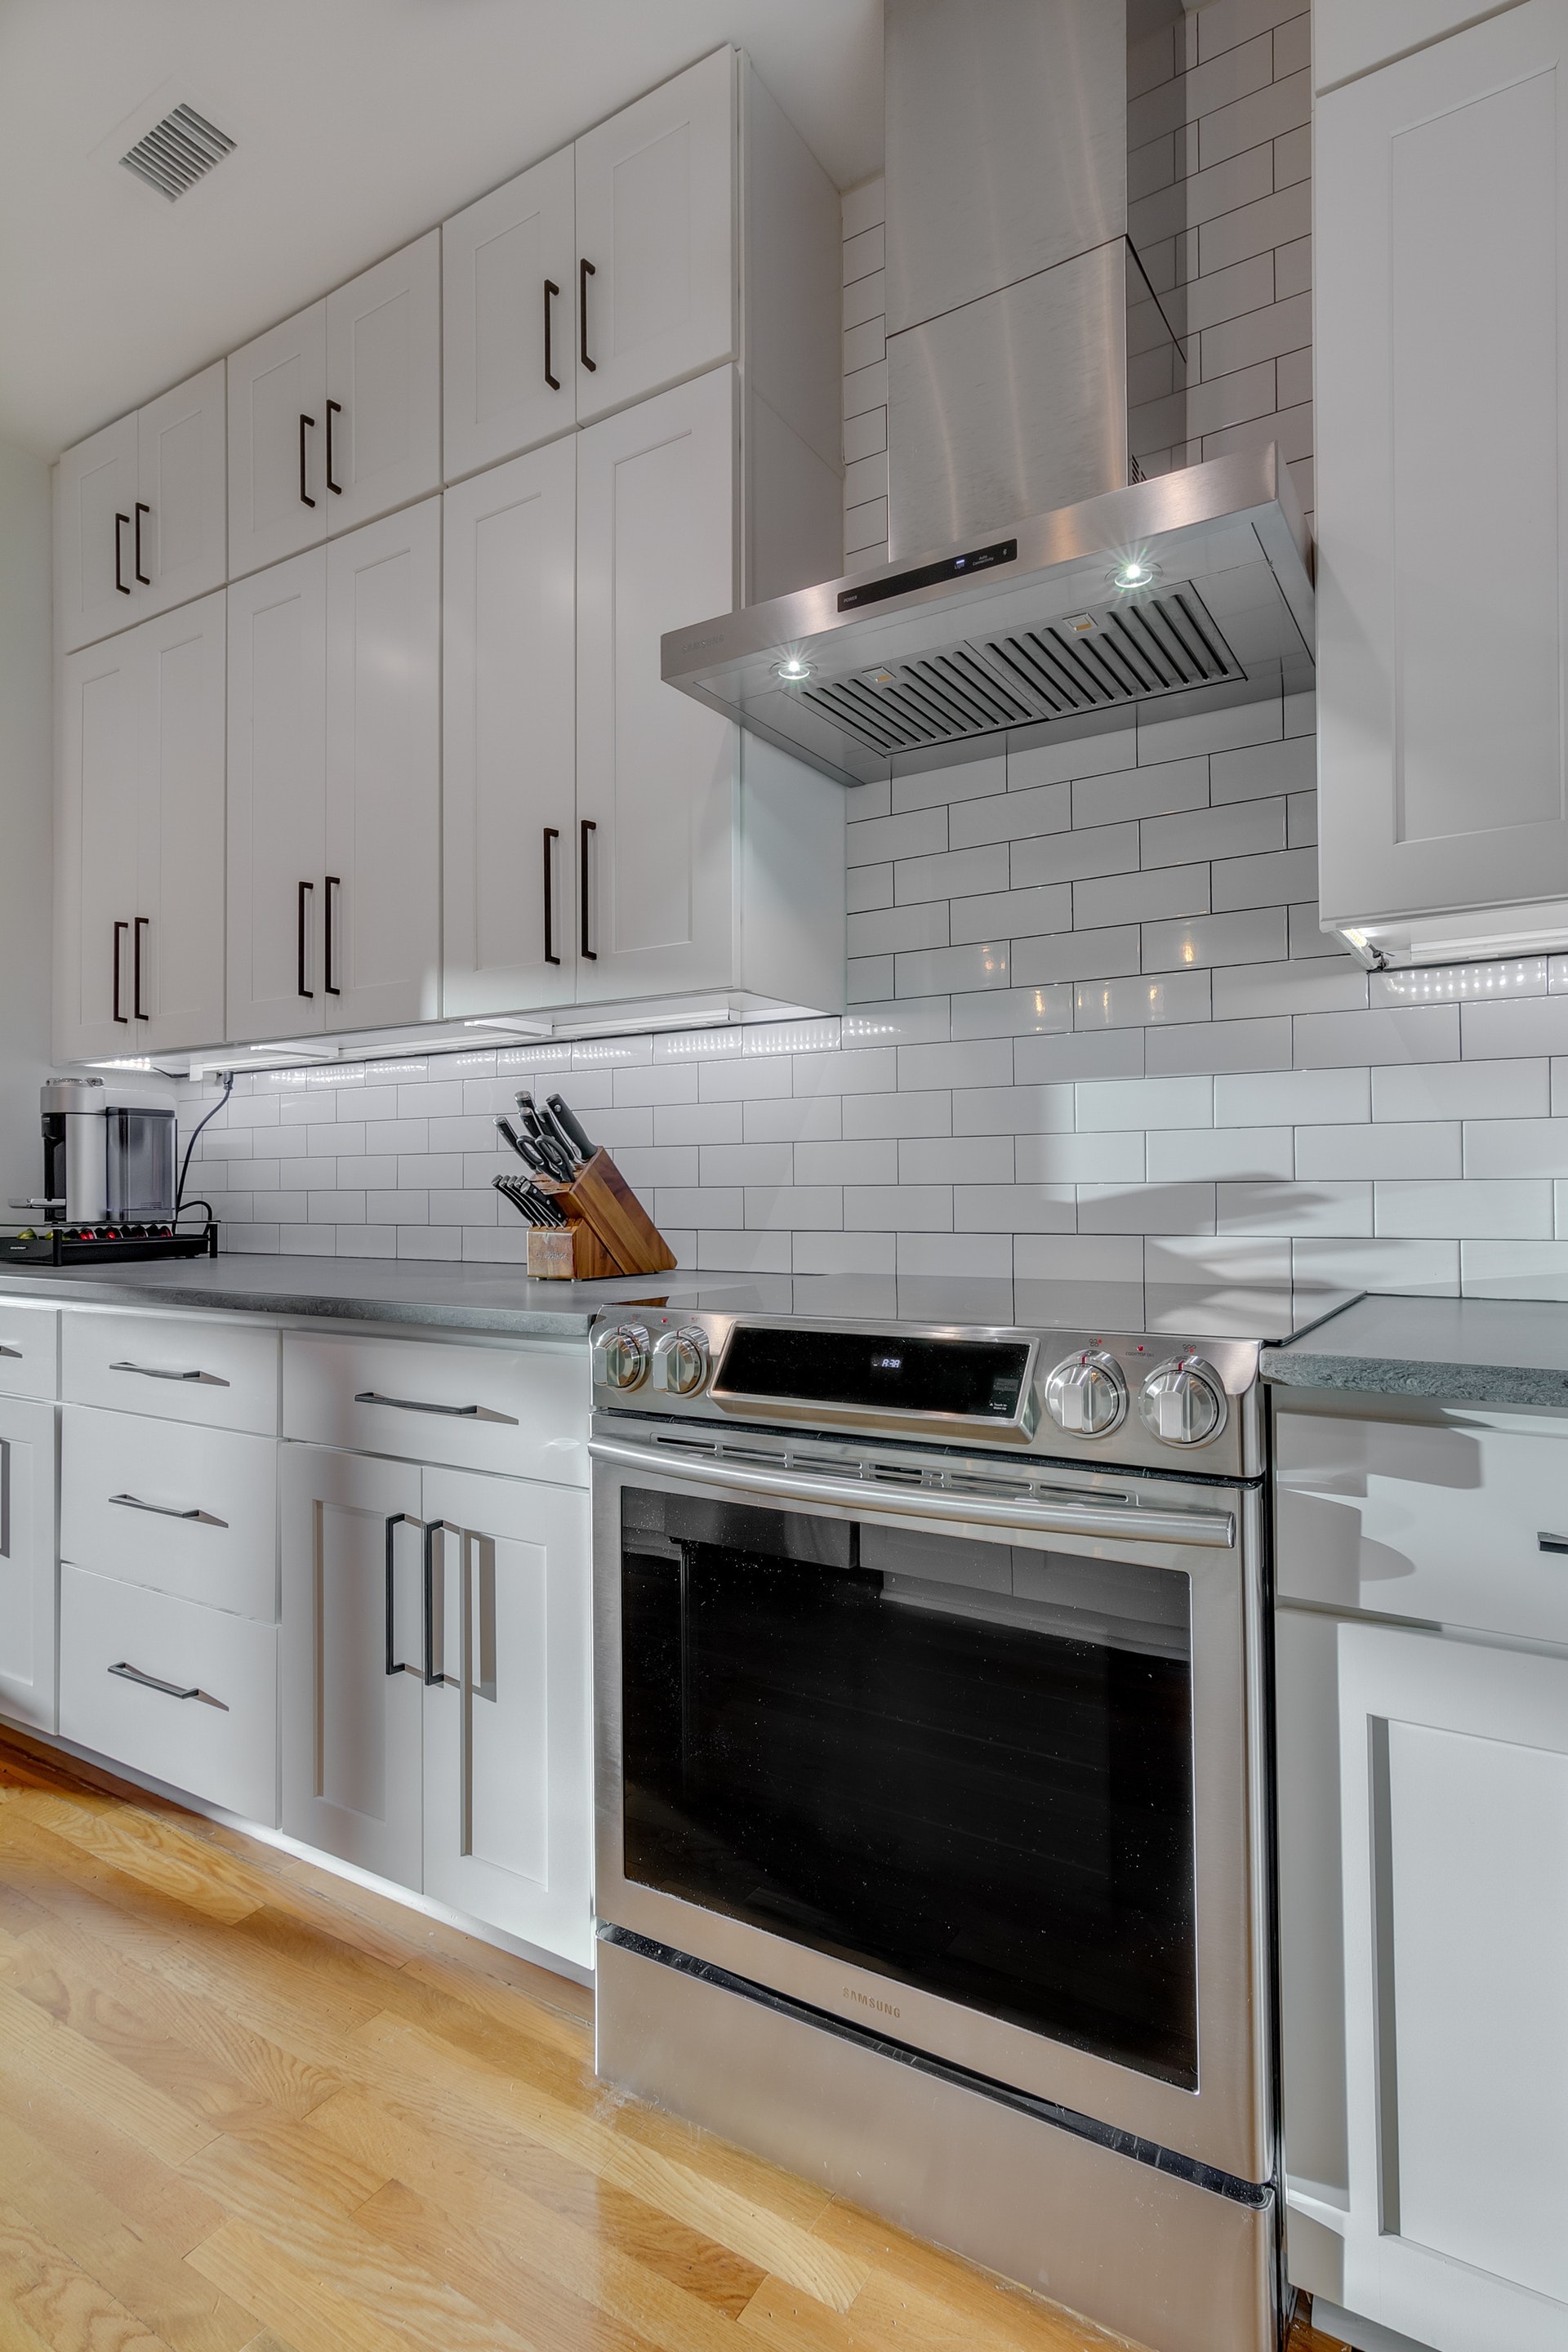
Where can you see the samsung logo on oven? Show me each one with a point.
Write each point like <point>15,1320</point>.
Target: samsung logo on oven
<point>870,2000</point>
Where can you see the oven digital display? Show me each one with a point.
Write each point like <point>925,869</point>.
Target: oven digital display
<point>982,1378</point>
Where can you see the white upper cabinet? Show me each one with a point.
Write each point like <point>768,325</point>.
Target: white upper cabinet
<point>508,781</point>
<point>1354,36</point>
<point>381,897</point>
<point>140,835</point>
<point>278,799</point>
<point>509,319</point>
<point>277,443</point>
<point>1441,265</point>
<point>382,438</point>
<point>139,514</point>
<point>655,290</point>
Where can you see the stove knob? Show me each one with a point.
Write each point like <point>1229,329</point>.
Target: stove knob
<point>622,1354</point>
<point>1086,1395</point>
<point>681,1362</point>
<point>1182,1401</point>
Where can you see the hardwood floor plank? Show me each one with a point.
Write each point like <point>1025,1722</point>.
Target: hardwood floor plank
<point>153,1850</point>
<point>289,2297</point>
<point>145,2114</point>
<point>63,2307</point>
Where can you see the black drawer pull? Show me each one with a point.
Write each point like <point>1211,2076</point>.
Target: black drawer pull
<point>167,1510</point>
<point>11,1351</point>
<point>306,424</point>
<point>136,548</point>
<point>150,1372</point>
<point>452,1411</point>
<point>121,522</point>
<point>1552,1543</point>
<point>551,288</point>
<point>131,1674</point>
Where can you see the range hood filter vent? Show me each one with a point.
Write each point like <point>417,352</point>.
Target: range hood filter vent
<point>1092,660</point>
<point>178,151</point>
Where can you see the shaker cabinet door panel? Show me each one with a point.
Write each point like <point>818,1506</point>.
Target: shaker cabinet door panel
<point>382,428</point>
<point>381,909</point>
<point>277,443</point>
<point>508,1725</point>
<point>95,485</point>
<point>181,533</point>
<point>1453,1793</point>
<point>655,288</point>
<point>27,1562</point>
<point>509,786</point>
<point>351,1605</point>
<point>1441,195</point>
<point>277,798</point>
<point>177,937</point>
<point>507,319</point>
<point>97,824</point>
<point>657,774</point>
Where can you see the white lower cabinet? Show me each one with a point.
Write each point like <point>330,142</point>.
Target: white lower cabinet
<point>28,1561</point>
<point>437,1712</point>
<point>1453,1826</point>
<point>185,1694</point>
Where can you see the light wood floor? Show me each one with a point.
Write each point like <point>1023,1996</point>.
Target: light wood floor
<point>247,2107</point>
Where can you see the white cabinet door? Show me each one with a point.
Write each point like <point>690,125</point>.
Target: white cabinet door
<point>178,930</point>
<point>381,892</point>
<point>656,278</point>
<point>1442,476</point>
<point>27,1562</point>
<point>508,1726</point>
<point>277,798</point>
<point>352,1658</point>
<point>1454,1790</point>
<point>96,829</point>
<point>95,494</point>
<point>507,324</point>
<point>508,711</point>
<point>277,443</point>
<point>382,426</point>
<point>657,774</point>
<point>180,533</point>
<point>1351,37</point>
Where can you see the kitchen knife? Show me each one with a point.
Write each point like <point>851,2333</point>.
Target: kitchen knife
<point>557,1132</point>
<point>531,1154</point>
<point>505,1126</point>
<point>511,1190</point>
<point>559,1162</point>
<point>571,1126</point>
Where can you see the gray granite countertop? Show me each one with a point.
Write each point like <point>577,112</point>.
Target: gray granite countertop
<point>361,1290</point>
<point>1473,1350</point>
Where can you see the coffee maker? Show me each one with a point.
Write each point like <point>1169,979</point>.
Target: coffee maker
<point>109,1177</point>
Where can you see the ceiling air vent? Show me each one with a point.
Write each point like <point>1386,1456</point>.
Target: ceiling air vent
<point>177,152</point>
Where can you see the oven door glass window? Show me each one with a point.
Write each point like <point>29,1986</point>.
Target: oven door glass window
<point>964,1765</point>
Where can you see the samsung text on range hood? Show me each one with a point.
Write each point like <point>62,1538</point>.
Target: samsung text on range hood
<point>1024,626</point>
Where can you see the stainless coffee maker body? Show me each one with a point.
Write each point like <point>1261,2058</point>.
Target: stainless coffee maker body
<point>109,1153</point>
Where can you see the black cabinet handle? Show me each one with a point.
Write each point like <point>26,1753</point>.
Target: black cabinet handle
<point>551,288</point>
<point>136,551</point>
<point>550,834</point>
<point>432,1528</point>
<point>334,408</point>
<point>592,954</point>
<point>142,923</point>
<point>585,271</point>
<point>395,1520</point>
<point>329,983</point>
<point>131,1674</point>
<point>123,585</point>
<point>118,928</point>
<point>305,499</point>
<point>167,1511</point>
<point>1548,1542</point>
<point>303,887</point>
<point>452,1411</point>
<point>153,1372</point>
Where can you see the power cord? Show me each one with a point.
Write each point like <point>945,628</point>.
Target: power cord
<point>191,1145</point>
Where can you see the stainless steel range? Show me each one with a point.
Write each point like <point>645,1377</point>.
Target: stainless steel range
<point>931,1797</point>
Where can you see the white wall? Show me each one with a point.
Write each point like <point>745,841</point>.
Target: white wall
<point>25,765</point>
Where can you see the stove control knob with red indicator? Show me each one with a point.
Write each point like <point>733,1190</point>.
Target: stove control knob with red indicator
<point>622,1354</point>
<point>1182,1401</point>
<point>1086,1395</point>
<point>680,1361</point>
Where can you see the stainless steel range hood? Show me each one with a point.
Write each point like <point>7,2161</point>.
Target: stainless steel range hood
<point>1030,358</point>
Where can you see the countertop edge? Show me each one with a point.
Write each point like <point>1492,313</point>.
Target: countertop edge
<point>1411,1376</point>
<point>516,1322</point>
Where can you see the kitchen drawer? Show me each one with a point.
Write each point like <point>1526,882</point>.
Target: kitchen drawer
<point>1440,1520</point>
<point>172,1367</point>
<point>212,1731</point>
<point>523,1412</point>
<point>192,1512</point>
<point>29,1349</point>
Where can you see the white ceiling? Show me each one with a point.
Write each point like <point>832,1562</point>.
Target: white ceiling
<point>359,123</point>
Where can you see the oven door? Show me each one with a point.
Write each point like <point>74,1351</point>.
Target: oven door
<point>967,1753</point>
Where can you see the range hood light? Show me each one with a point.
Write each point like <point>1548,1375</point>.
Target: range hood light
<point>1133,571</point>
<point>793,670</point>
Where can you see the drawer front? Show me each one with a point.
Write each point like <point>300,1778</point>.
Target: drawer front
<point>221,1741</point>
<point>29,1350</point>
<point>192,1512</point>
<point>173,1368</point>
<point>1440,1520</point>
<point>523,1412</point>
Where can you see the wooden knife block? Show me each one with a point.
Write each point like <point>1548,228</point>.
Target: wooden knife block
<point>610,1233</point>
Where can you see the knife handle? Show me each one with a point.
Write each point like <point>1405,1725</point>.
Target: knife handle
<point>571,1126</point>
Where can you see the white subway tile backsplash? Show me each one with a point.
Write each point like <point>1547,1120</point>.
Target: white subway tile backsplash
<point>1472,1090</point>
<point>1175,783</point>
<point>1203,1047</point>
<point>1506,1210</point>
<point>1516,1147</point>
<point>1177,1155</point>
<point>1075,955</point>
<point>1057,857</point>
<point>1014,1208</point>
<point>1014,1011</point>
<point>1111,1103</point>
<point>1320,1208</point>
<point>1428,1148</point>
<point>1424,1034</point>
<point>1198,941</point>
<point>983,963</point>
<point>1056,1159</point>
<point>1135,1003</point>
<point>1012,914</point>
<point>1009,1110</point>
<point>1146,1209</point>
<point>1293,1098</point>
<point>1015,816</point>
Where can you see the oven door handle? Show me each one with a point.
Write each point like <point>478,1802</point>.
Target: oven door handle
<point>1130,1522</point>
